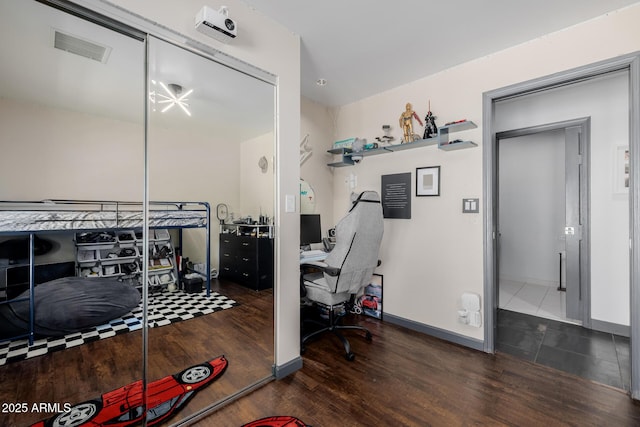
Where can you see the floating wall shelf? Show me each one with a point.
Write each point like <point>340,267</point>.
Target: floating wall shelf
<point>441,140</point>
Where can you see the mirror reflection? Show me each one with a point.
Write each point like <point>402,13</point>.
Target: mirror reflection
<point>72,132</point>
<point>65,136</point>
<point>211,142</point>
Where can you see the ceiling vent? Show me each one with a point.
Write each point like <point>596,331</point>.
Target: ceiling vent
<point>82,47</point>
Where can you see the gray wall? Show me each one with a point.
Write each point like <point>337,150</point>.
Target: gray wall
<point>531,208</point>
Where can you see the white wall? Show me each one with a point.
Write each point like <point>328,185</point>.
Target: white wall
<point>185,171</point>
<point>317,122</point>
<point>256,187</point>
<point>68,155</point>
<point>430,260</point>
<point>606,101</point>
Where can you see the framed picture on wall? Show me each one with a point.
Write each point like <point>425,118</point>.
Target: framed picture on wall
<point>369,300</point>
<point>396,195</point>
<point>621,170</point>
<point>428,181</point>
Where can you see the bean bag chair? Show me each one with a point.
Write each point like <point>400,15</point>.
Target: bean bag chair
<point>68,305</point>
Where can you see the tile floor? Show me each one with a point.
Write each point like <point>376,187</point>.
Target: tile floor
<point>532,324</point>
<point>537,300</point>
<point>594,355</point>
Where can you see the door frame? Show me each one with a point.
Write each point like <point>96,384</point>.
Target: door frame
<point>584,125</point>
<point>629,63</point>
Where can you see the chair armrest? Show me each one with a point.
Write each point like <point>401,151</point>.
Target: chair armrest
<point>314,264</point>
<point>331,271</point>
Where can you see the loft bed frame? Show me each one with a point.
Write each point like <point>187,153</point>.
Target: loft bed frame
<point>20,218</point>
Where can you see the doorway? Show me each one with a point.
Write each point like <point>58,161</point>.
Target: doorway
<point>623,316</point>
<point>543,258</point>
<point>543,221</point>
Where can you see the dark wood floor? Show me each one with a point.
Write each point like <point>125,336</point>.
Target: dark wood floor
<point>404,378</point>
<point>244,334</point>
<point>401,378</point>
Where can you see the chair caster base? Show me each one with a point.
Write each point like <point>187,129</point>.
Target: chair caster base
<point>350,357</point>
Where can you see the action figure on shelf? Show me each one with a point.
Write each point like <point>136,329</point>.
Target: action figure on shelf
<point>430,129</point>
<point>406,123</point>
<point>386,138</point>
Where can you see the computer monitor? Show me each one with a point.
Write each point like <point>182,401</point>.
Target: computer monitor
<point>310,230</point>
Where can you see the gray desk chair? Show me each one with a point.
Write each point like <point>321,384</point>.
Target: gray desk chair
<point>348,267</point>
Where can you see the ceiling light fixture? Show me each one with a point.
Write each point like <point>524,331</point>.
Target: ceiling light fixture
<point>174,96</point>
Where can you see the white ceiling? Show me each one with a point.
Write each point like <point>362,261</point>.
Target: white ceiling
<point>363,47</point>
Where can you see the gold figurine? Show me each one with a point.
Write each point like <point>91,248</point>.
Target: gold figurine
<point>406,123</point>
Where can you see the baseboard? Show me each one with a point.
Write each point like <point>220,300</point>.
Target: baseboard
<point>281,371</point>
<point>473,343</point>
<point>611,328</point>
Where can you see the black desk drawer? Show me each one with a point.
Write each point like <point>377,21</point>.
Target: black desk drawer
<point>247,260</point>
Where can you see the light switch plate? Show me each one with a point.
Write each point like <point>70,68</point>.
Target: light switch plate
<point>470,205</point>
<point>290,203</point>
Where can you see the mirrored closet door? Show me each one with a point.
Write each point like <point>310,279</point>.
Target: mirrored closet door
<point>136,223</point>
<point>210,149</point>
<point>71,131</point>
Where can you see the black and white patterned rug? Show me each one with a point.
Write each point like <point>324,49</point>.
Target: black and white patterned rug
<point>164,308</point>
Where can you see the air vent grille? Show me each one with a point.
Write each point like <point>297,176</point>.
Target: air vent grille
<point>78,46</point>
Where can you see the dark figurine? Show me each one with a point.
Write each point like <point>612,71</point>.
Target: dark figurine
<point>430,129</point>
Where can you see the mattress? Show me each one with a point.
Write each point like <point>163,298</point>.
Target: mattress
<point>52,220</point>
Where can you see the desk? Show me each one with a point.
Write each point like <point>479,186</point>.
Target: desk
<point>308,311</point>
<point>312,256</point>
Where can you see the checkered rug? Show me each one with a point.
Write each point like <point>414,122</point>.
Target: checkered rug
<point>164,307</point>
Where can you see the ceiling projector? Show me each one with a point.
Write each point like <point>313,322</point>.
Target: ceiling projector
<point>216,24</point>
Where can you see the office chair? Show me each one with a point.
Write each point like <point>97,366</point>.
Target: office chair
<point>348,267</point>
